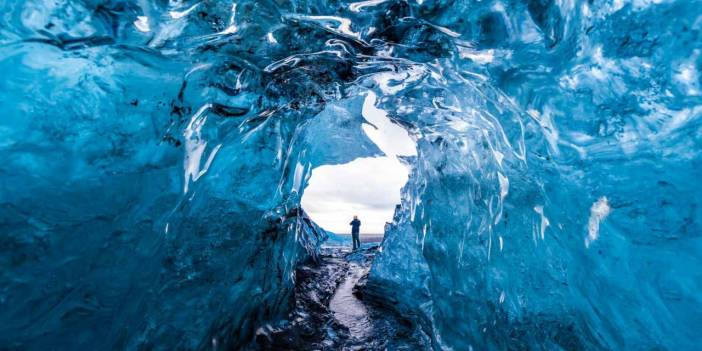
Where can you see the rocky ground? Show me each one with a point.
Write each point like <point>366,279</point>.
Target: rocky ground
<point>331,313</point>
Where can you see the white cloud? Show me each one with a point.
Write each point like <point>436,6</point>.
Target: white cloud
<point>367,187</point>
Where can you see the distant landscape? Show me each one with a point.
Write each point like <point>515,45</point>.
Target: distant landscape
<point>365,238</point>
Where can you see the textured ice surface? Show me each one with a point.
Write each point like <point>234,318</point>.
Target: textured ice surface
<point>150,172</point>
<point>153,154</point>
<point>554,200</point>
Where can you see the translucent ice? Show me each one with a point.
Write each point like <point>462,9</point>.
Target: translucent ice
<point>554,201</point>
<point>150,176</point>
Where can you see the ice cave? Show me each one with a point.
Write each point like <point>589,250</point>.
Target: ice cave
<point>154,157</point>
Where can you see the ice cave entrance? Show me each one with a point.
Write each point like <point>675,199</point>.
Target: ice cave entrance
<point>368,187</point>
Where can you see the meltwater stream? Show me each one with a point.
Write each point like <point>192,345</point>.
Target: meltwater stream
<point>348,309</point>
<point>333,313</point>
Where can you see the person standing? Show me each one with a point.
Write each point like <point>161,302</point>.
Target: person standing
<point>355,232</point>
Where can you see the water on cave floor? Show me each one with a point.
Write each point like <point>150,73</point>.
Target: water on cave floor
<point>332,313</point>
<point>347,308</point>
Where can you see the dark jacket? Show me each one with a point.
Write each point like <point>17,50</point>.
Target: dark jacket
<point>355,226</point>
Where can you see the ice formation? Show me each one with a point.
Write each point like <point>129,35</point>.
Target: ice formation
<point>153,155</point>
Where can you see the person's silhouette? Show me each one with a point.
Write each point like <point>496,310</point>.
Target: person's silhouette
<point>355,232</point>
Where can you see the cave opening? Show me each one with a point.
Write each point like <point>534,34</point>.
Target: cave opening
<point>367,187</point>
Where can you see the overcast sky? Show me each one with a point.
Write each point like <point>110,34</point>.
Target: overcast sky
<point>367,187</point>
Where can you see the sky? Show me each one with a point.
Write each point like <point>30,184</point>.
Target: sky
<point>367,187</point>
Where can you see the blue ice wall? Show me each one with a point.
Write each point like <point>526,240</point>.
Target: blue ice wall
<point>151,172</point>
<point>554,202</point>
<point>153,154</point>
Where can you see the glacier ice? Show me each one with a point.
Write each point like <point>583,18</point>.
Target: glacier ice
<point>153,155</point>
<point>553,203</point>
<point>150,187</point>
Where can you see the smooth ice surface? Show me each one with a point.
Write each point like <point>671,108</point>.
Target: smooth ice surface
<point>153,155</point>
